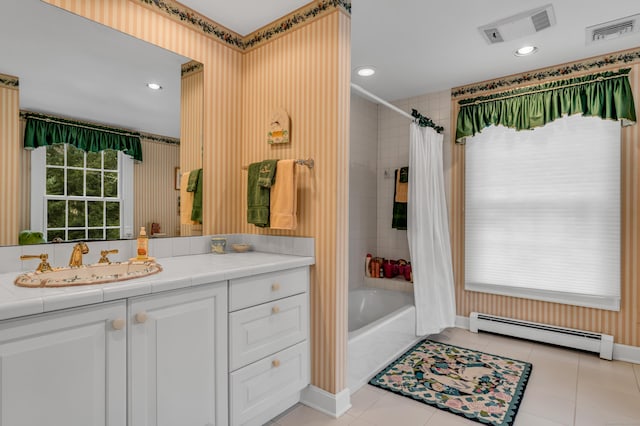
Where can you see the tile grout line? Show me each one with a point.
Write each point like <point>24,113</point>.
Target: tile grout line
<point>575,404</point>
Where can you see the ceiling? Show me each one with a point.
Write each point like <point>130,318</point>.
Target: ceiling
<point>244,16</point>
<point>420,47</point>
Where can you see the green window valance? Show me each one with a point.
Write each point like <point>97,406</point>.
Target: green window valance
<point>607,95</point>
<point>42,130</point>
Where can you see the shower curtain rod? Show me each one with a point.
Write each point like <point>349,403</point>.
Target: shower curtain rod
<point>381,101</point>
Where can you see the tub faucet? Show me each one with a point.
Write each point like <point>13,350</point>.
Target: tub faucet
<point>76,255</point>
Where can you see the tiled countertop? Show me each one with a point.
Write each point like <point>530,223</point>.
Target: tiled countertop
<point>178,272</point>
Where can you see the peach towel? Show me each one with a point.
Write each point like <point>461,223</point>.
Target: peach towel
<point>186,201</point>
<point>402,189</point>
<point>283,203</point>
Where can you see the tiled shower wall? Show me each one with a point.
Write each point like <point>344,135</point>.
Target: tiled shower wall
<point>363,159</point>
<point>393,153</point>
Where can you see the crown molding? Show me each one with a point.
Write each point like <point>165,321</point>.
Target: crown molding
<point>289,22</point>
<point>543,74</point>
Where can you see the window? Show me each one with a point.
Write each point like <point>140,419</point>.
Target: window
<point>79,195</point>
<point>542,212</point>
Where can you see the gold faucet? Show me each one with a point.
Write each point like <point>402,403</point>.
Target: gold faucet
<point>44,261</point>
<point>76,255</point>
<point>104,253</point>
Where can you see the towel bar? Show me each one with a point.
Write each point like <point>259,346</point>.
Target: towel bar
<point>309,162</point>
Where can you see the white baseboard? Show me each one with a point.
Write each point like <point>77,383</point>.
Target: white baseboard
<point>331,404</point>
<point>626,353</point>
<point>462,322</point>
<point>620,352</point>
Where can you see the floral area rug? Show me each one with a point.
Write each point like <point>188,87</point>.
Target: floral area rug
<point>476,385</point>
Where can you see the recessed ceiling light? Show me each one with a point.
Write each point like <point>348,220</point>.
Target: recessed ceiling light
<point>526,51</point>
<point>366,71</point>
<point>154,86</point>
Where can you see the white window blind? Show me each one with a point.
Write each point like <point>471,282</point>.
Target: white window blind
<point>542,212</point>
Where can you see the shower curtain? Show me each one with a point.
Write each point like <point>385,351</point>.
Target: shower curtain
<point>428,233</point>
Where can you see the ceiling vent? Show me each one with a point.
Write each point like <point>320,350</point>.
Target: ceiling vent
<point>613,29</point>
<point>520,25</point>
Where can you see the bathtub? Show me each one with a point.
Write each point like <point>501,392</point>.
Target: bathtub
<point>382,326</point>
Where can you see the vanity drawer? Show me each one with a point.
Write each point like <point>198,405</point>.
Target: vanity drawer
<point>251,291</point>
<point>265,329</point>
<point>255,388</point>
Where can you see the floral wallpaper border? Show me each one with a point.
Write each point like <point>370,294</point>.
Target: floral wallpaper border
<point>9,81</point>
<point>191,67</point>
<point>210,28</point>
<point>622,57</point>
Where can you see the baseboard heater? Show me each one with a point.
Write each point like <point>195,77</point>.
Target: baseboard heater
<point>569,337</point>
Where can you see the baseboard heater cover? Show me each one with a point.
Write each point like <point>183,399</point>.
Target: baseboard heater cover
<point>569,337</point>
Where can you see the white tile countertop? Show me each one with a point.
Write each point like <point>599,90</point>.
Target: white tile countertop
<point>177,272</point>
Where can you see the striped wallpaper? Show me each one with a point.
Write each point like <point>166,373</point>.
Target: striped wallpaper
<point>623,325</point>
<point>306,71</point>
<point>10,161</point>
<point>155,199</point>
<point>285,73</point>
<point>191,125</point>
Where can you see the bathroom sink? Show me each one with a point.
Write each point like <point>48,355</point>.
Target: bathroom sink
<point>99,273</point>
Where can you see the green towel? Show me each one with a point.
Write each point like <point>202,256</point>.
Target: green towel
<point>257,198</point>
<point>404,174</point>
<point>399,220</point>
<point>195,185</point>
<point>267,173</point>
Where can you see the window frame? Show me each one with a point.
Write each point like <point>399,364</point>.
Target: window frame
<point>575,298</point>
<point>39,197</point>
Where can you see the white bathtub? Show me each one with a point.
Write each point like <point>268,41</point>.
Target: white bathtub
<point>382,326</point>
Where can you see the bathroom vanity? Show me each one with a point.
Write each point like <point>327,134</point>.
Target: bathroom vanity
<point>211,340</point>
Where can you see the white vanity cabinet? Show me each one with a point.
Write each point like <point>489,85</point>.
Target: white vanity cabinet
<point>268,344</point>
<point>66,368</point>
<point>178,357</point>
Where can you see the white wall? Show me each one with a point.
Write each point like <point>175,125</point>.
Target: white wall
<point>362,186</point>
<point>393,153</point>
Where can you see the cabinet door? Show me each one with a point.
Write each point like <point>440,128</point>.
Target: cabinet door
<point>178,358</point>
<point>64,369</point>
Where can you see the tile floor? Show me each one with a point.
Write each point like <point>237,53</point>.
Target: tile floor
<point>566,387</point>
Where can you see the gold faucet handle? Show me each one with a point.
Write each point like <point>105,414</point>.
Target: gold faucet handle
<point>104,253</point>
<point>44,261</point>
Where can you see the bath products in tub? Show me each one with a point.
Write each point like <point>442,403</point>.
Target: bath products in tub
<point>367,265</point>
<point>375,268</point>
<point>143,245</point>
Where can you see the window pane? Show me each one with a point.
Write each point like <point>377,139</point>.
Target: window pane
<point>96,213</point>
<point>113,213</point>
<point>542,212</point>
<point>55,155</point>
<point>94,180</point>
<point>113,234</point>
<point>110,184</point>
<point>56,213</point>
<point>55,181</point>
<point>94,160</point>
<point>110,159</point>
<point>77,234</point>
<point>96,234</point>
<point>75,182</point>
<point>75,157</point>
<point>76,213</point>
<point>58,233</point>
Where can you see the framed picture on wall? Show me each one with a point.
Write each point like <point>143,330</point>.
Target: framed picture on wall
<point>177,178</point>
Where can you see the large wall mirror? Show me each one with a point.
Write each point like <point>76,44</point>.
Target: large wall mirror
<point>80,70</point>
